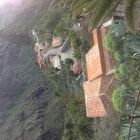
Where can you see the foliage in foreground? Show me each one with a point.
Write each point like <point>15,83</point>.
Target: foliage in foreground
<point>100,12</point>
<point>125,47</point>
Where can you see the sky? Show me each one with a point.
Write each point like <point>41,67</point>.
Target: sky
<point>14,2</point>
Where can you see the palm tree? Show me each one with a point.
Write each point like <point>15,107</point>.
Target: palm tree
<point>100,11</point>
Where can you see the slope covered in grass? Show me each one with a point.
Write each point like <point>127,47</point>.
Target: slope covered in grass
<point>28,109</point>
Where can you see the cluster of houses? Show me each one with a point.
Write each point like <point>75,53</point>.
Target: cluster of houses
<point>57,54</point>
<point>100,79</point>
<point>100,82</point>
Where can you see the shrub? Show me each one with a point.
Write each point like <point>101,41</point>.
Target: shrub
<point>118,76</point>
<point>74,105</point>
<point>122,69</point>
<point>117,56</point>
<point>119,137</point>
<point>118,99</point>
<point>110,43</point>
<point>75,44</point>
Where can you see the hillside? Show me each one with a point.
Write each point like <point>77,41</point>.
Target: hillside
<point>28,108</point>
<point>19,18</point>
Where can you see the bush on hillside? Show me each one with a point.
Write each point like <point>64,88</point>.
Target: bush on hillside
<point>118,100</point>
<point>75,44</point>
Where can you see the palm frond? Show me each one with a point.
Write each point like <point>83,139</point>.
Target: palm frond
<point>129,13</point>
<point>101,9</point>
<point>109,12</point>
<point>136,16</point>
<point>80,3</point>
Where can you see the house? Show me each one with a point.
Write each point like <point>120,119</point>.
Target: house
<point>40,59</point>
<point>57,41</point>
<point>39,49</point>
<point>38,46</point>
<point>55,61</point>
<point>100,82</point>
<point>58,55</point>
<point>64,52</point>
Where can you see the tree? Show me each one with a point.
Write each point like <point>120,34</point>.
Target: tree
<point>101,11</point>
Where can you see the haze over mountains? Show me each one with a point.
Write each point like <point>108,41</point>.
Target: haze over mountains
<point>28,108</point>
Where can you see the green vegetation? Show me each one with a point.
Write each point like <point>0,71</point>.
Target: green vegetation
<point>117,56</point>
<point>117,99</point>
<point>54,22</point>
<point>126,52</point>
<point>100,12</point>
<point>84,8</point>
<point>75,44</point>
<point>69,91</point>
<point>110,42</point>
<point>127,72</point>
